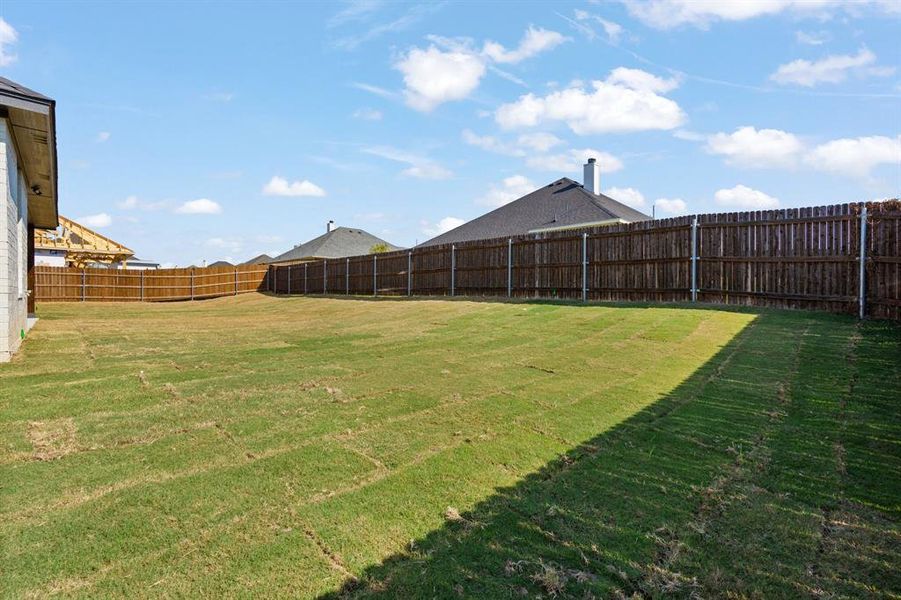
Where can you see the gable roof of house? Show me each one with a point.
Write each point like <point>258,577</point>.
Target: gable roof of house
<point>32,120</point>
<point>337,243</point>
<point>558,205</point>
<point>262,259</point>
<point>221,263</point>
<point>81,244</point>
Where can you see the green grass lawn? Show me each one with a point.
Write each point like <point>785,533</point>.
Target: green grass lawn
<point>309,447</point>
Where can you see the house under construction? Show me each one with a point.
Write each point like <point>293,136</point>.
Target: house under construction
<point>74,245</point>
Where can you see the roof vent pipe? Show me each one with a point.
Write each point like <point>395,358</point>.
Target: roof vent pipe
<point>330,226</point>
<point>592,180</point>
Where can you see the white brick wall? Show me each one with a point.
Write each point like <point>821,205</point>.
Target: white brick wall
<point>13,247</point>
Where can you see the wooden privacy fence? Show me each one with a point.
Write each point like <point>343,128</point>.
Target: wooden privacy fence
<point>797,258</point>
<point>111,285</point>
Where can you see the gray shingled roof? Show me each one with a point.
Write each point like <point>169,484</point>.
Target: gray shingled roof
<point>262,259</point>
<point>338,243</point>
<point>562,203</point>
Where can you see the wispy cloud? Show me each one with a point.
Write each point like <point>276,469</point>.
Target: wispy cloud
<point>102,136</point>
<point>219,96</point>
<point>413,14</point>
<point>419,167</point>
<point>374,89</point>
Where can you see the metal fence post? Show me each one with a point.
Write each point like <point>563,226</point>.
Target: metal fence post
<point>347,278</point>
<point>83,285</point>
<point>509,267</point>
<point>305,265</point>
<point>409,273</point>
<point>694,259</point>
<point>584,267</point>
<point>375,275</point>
<point>862,293</point>
<point>325,276</point>
<point>453,269</point>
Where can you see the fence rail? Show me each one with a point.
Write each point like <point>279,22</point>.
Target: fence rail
<point>810,258</point>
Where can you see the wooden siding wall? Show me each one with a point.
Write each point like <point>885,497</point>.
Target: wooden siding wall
<point>795,258</point>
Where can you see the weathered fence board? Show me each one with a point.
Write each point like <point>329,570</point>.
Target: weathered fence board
<point>795,258</point>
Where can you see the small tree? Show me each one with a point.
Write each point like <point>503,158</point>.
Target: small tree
<point>378,248</point>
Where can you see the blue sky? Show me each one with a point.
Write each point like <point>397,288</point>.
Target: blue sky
<point>203,131</point>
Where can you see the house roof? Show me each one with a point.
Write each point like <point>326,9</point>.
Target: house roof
<point>81,244</point>
<point>262,259</point>
<point>32,119</point>
<point>337,243</point>
<point>221,263</point>
<point>558,205</point>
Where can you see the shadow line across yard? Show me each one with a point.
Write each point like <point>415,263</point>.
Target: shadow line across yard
<point>772,471</point>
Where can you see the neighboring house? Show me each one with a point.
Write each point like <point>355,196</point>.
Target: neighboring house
<point>336,242</point>
<point>262,259</point>
<point>28,201</point>
<point>221,263</point>
<point>136,264</point>
<point>74,245</point>
<point>563,204</point>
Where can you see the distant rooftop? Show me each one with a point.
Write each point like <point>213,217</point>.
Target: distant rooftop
<point>337,243</point>
<point>558,205</point>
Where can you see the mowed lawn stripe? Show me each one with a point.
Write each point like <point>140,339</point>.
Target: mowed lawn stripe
<point>269,446</point>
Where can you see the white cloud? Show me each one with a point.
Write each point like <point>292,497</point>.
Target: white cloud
<point>625,102</point>
<point>103,136</point>
<point>201,206</point>
<point>741,196</point>
<point>628,196</point>
<point>451,68</point>
<point>368,114</point>
<point>636,79</point>
<point>8,37</point>
<point>832,69</point>
<point>688,135</point>
<point>510,189</point>
<point>534,41</point>
<point>279,186</point>
<point>674,206</point>
<point>572,161</point>
<point>666,14</point>
<point>135,203</point>
<point>612,30</point>
<point>812,38</point>
<point>420,167</point>
<point>856,156</point>
<point>98,220</point>
<point>433,76</point>
<point>442,226</point>
<point>750,147</point>
<point>540,142</point>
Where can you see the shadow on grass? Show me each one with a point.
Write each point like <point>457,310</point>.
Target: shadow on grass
<point>752,478</point>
